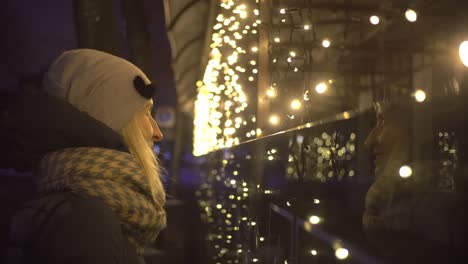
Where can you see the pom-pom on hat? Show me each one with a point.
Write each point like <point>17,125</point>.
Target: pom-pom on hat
<point>108,88</point>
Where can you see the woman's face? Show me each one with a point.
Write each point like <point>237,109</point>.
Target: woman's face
<point>148,125</point>
<point>389,141</point>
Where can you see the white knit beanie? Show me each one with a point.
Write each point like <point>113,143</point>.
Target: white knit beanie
<point>99,84</point>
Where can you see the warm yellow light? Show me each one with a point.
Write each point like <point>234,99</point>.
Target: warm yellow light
<point>326,43</point>
<point>271,92</point>
<point>314,219</point>
<point>321,88</point>
<point>375,20</point>
<point>262,239</point>
<point>252,62</point>
<point>282,11</point>
<point>306,27</point>
<point>341,253</point>
<point>420,96</point>
<point>405,171</point>
<point>292,53</point>
<point>259,132</point>
<point>274,119</point>
<point>219,206</point>
<point>254,49</point>
<point>296,104</point>
<point>411,15</point>
<point>233,182</point>
<point>313,252</point>
<point>463,52</point>
<point>316,201</point>
<point>277,40</point>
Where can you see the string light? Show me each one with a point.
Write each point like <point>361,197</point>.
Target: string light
<point>411,15</point>
<point>375,20</point>
<point>321,87</point>
<point>274,119</point>
<point>341,253</point>
<point>282,11</point>
<point>306,27</point>
<point>271,92</point>
<point>326,43</point>
<point>463,52</point>
<point>296,104</point>
<point>405,171</point>
<point>420,96</point>
<point>313,252</point>
<point>277,39</point>
<point>314,219</point>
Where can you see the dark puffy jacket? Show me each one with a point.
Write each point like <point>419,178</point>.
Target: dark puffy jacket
<point>65,228</point>
<point>60,227</point>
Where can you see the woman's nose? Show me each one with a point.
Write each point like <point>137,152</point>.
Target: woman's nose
<point>157,134</point>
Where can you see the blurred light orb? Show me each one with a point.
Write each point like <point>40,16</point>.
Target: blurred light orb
<point>274,119</point>
<point>341,253</point>
<point>375,20</point>
<point>306,27</point>
<point>296,104</point>
<point>282,11</point>
<point>271,93</point>
<point>321,88</point>
<point>405,171</point>
<point>277,39</point>
<point>314,219</point>
<point>411,15</point>
<point>463,52</point>
<point>326,43</point>
<point>313,252</point>
<point>420,96</point>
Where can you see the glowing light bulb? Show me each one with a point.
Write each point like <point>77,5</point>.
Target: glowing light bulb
<point>233,182</point>
<point>375,20</point>
<point>271,93</point>
<point>313,252</point>
<point>321,88</point>
<point>405,171</point>
<point>277,40</point>
<point>463,52</point>
<point>326,43</point>
<point>296,104</point>
<point>254,49</point>
<point>314,219</point>
<point>420,96</point>
<point>274,119</point>
<point>411,15</point>
<point>341,253</point>
<point>316,201</point>
<point>306,27</point>
<point>292,53</point>
<point>282,11</point>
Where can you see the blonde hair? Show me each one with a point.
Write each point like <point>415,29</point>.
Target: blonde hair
<point>133,136</point>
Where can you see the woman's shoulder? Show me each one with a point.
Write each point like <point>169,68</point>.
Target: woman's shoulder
<point>65,225</point>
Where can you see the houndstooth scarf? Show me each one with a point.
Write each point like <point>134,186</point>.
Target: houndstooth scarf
<point>112,176</point>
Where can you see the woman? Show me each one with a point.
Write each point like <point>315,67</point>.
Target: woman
<point>89,139</point>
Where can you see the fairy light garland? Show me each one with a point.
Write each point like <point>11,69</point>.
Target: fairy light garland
<point>231,72</point>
